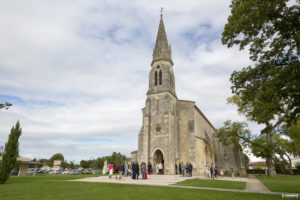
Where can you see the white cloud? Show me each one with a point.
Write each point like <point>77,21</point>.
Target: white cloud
<point>78,70</point>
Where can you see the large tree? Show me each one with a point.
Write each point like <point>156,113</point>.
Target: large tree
<point>269,91</point>
<point>85,163</point>
<point>115,158</point>
<point>98,163</point>
<point>57,156</point>
<point>281,151</point>
<point>285,141</point>
<point>10,154</point>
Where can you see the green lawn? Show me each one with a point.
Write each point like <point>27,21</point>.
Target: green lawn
<point>281,183</point>
<point>214,184</point>
<point>56,187</point>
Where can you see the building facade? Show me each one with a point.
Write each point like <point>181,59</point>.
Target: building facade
<point>22,165</point>
<point>176,130</point>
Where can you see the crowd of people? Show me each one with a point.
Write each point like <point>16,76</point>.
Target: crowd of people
<point>135,172</point>
<point>185,169</point>
<point>215,172</point>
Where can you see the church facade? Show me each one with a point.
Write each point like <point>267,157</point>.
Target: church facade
<point>176,130</point>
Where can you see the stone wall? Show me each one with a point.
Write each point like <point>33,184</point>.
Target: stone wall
<point>204,139</point>
<point>158,131</point>
<point>227,158</point>
<point>185,130</point>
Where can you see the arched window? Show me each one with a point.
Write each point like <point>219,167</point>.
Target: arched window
<point>155,79</point>
<point>160,77</point>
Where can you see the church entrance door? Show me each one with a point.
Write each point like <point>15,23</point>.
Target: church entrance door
<point>159,160</point>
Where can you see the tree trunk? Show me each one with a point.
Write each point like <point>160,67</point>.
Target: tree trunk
<point>290,165</point>
<point>269,154</point>
<point>270,166</point>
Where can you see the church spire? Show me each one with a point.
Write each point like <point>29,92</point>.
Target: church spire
<point>162,50</point>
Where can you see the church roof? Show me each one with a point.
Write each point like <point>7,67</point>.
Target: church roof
<point>199,111</point>
<point>134,152</point>
<point>162,50</point>
<point>205,117</point>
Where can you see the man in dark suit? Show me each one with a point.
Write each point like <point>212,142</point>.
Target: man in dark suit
<point>133,171</point>
<point>137,170</point>
<point>179,167</point>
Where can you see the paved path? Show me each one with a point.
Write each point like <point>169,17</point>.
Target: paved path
<point>253,184</point>
<point>152,179</point>
<point>162,180</point>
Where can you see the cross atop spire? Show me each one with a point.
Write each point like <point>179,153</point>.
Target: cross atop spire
<point>161,11</point>
<point>162,50</point>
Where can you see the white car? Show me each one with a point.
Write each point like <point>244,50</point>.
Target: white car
<point>66,172</point>
<point>31,170</point>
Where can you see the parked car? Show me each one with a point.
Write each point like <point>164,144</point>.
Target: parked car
<point>75,172</point>
<point>96,172</point>
<point>66,172</point>
<point>32,170</point>
<point>40,171</point>
<point>87,171</point>
<point>58,172</point>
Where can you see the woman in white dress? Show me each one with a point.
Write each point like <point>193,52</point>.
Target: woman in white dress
<point>208,172</point>
<point>157,169</point>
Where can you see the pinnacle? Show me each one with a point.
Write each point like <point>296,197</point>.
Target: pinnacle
<point>162,50</point>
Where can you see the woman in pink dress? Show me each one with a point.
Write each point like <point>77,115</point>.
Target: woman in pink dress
<point>111,169</point>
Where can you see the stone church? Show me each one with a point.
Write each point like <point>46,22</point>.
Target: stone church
<point>176,130</point>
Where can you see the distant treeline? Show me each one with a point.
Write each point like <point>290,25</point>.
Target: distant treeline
<point>115,158</point>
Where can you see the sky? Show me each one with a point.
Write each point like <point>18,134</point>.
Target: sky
<point>76,71</point>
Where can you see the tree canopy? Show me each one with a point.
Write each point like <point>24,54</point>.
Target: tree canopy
<point>115,158</point>
<point>85,164</point>
<point>271,31</point>
<point>57,156</point>
<point>293,133</point>
<point>269,91</point>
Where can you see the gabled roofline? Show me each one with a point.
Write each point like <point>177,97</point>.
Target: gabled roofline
<point>205,118</point>
<point>188,101</point>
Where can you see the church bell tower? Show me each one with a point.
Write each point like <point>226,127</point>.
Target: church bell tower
<point>158,136</point>
<point>161,77</point>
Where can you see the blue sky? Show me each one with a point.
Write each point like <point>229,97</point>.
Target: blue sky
<point>76,72</point>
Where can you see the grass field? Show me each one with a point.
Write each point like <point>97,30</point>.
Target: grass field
<point>214,184</point>
<point>281,183</point>
<point>56,187</point>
